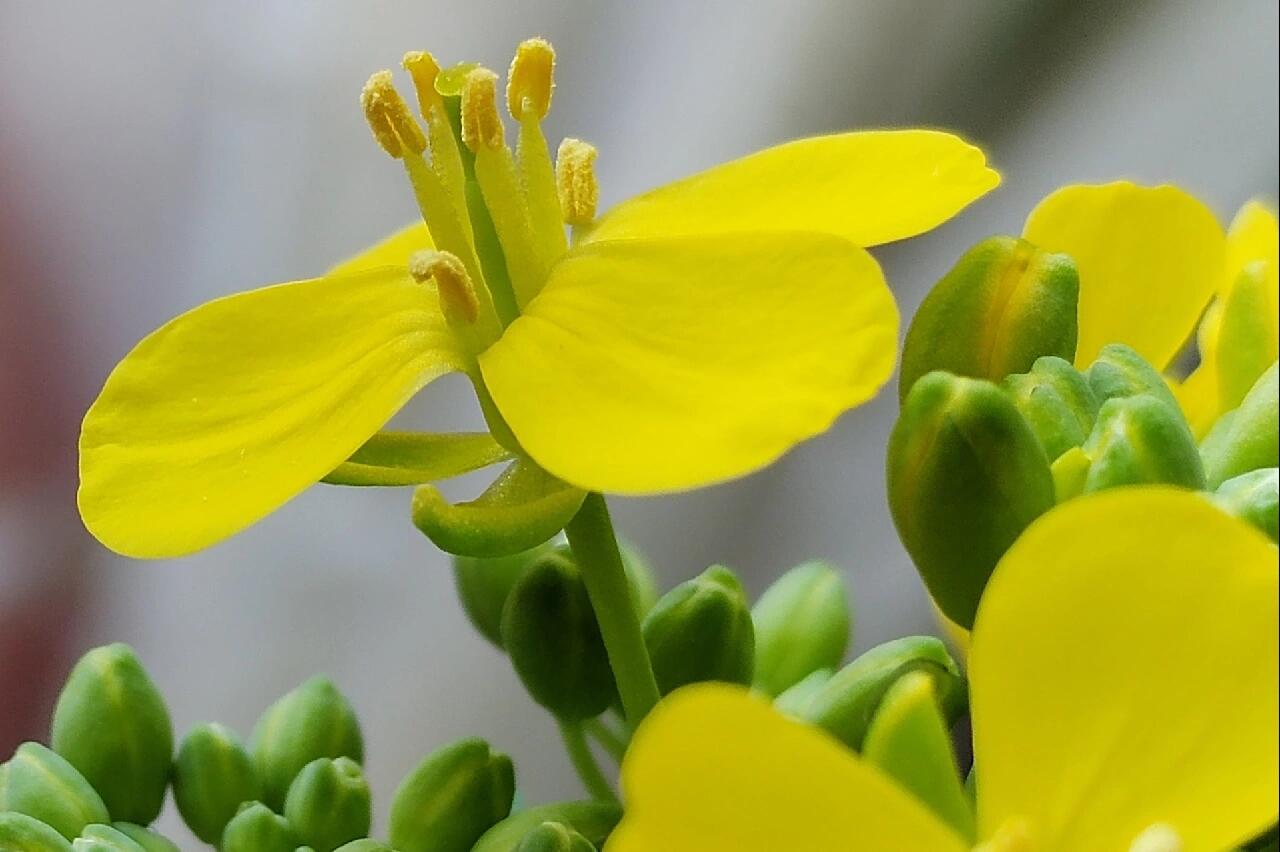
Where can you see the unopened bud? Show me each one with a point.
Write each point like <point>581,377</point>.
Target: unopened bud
<point>1002,306</point>
<point>1247,438</point>
<point>1120,371</point>
<point>149,840</point>
<point>365,844</point>
<point>554,837</point>
<point>310,722</point>
<point>594,820</point>
<point>700,631</point>
<point>531,80</point>
<point>22,833</point>
<point>1057,402</point>
<point>1254,497</point>
<point>795,700</point>
<point>41,784</point>
<point>212,776</point>
<point>848,702</point>
<point>481,124</point>
<point>553,639</point>
<point>112,725</point>
<point>104,838</point>
<point>452,798</point>
<point>966,475</point>
<point>484,584</point>
<point>256,828</point>
<point>329,803</point>
<point>576,181</point>
<point>1141,440</point>
<point>802,624</point>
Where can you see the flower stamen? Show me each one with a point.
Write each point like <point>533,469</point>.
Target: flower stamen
<point>446,159</point>
<point>389,118</point>
<point>530,84</point>
<point>576,181</point>
<point>471,319</point>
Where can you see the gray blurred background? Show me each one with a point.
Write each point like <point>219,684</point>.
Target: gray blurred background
<point>156,154</point>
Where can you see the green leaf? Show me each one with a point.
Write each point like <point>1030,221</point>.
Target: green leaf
<point>412,458</point>
<point>523,507</point>
<point>908,740</point>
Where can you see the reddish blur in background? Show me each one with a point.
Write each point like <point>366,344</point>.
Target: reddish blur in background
<point>154,155</point>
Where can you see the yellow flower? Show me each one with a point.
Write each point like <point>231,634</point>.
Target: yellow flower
<point>689,335</point>
<point>1124,697</point>
<point>1151,259</point>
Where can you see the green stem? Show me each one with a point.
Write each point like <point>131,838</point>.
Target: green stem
<point>584,762</point>
<point>591,536</point>
<point>608,739</point>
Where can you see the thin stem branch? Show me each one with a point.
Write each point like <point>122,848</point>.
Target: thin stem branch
<point>608,739</point>
<point>584,762</point>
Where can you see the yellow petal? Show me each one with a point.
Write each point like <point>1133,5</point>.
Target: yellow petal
<point>1123,674</point>
<point>657,365</point>
<point>389,251</point>
<point>871,187</point>
<point>1254,235</point>
<point>231,409</point>
<point>716,769</point>
<point>1149,260</point>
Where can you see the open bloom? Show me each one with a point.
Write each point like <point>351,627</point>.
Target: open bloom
<point>1151,261</point>
<point>689,335</point>
<point>1124,697</point>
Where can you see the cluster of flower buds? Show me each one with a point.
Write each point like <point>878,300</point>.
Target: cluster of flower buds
<point>998,424</point>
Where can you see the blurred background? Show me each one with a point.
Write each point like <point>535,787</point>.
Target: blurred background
<point>154,155</point>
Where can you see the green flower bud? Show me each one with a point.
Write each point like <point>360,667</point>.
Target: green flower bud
<point>329,803</point>
<point>1246,438</point>
<point>22,833</point>
<point>312,721</point>
<point>966,475</point>
<point>1254,497</point>
<point>484,585</point>
<point>256,828</point>
<point>1119,371</point>
<point>452,798</point>
<point>551,634</point>
<point>701,630</point>
<point>640,579</point>
<point>1139,440</point>
<point>795,700</point>
<point>365,845</point>
<point>1057,402</point>
<point>213,776</point>
<point>1002,306</point>
<point>594,820</point>
<point>104,838</point>
<point>111,723</point>
<point>555,837</point>
<point>1070,472</point>
<point>41,784</point>
<point>149,840</point>
<point>847,703</point>
<point>802,624</point>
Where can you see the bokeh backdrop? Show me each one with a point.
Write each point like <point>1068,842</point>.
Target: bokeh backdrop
<point>156,154</point>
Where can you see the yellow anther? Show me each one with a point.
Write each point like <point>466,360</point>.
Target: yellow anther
<point>389,118</point>
<point>531,79</point>
<point>576,181</point>
<point>481,126</point>
<point>1160,837</point>
<point>424,69</point>
<point>457,293</point>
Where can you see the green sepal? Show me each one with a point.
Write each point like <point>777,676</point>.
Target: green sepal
<point>22,833</point>
<point>701,630</point>
<point>593,820</point>
<point>524,507</point>
<point>802,624</point>
<point>794,701</point>
<point>551,634</point>
<point>312,721</point>
<point>1003,305</point>
<point>213,775</point>
<point>555,837</point>
<point>966,475</point>
<point>111,724</point>
<point>257,828</point>
<point>1245,335</point>
<point>329,803</point>
<point>1057,402</point>
<point>1246,438</point>
<point>149,840</point>
<point>1253,497</point>
<point>104,838</point>
<point>1119,371</point>
<point>365,844</point>
<point>1141,440</point>
<point>412,458</point>
<point>909,740</point>
<point>847,702</point>
<point>452,798</point>
<point>41,784</point>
